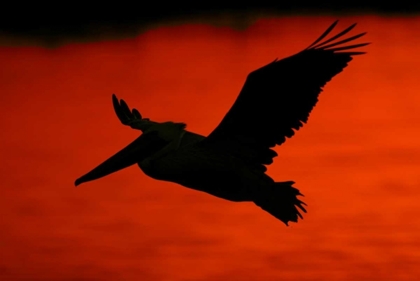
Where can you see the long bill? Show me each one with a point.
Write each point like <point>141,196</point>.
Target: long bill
<point>135,152</point>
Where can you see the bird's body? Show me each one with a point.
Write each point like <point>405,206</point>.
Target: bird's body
<point>207,169</point>
<point>230,163</point>
<point>193,165</point>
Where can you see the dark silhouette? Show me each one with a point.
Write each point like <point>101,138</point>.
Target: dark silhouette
<point>229,163</point>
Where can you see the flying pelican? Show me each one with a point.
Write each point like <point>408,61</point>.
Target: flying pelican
<point>230,162</point>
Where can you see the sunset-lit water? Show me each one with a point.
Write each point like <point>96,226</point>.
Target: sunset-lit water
<point>357,160</point>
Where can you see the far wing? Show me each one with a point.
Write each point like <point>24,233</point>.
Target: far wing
<point>279,97</point>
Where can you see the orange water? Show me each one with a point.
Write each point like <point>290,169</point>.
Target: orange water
<point>357,160</point>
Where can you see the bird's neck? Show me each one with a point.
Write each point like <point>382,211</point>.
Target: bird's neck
<point>168,131</point>
<point>145,125</point>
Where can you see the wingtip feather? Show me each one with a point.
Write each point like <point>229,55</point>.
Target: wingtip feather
<point>326,32</point>
<point>329,47</point>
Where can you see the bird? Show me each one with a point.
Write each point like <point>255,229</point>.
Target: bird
<point>230,163</point>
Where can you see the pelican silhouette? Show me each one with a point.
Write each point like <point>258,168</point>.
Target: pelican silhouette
<point>275,100</point>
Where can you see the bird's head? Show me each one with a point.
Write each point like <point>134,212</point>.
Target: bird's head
<point>141,124</point>
<point>141,148</point>
<point>155,136</point>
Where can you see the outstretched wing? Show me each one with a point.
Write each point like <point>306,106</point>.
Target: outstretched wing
<point>279,97</point>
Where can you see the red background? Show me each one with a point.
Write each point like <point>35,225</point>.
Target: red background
<point>357,160</point>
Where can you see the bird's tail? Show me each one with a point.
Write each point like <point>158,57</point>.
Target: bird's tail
<point>280,200</point>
